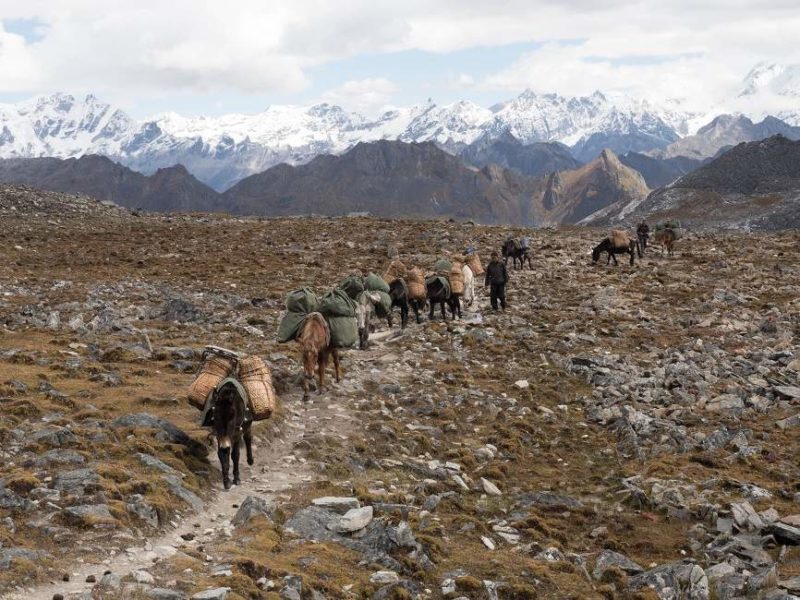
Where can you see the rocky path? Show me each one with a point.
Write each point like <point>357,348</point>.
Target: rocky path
<point>277,469</point>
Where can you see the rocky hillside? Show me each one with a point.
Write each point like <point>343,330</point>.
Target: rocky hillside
<point>727,130</point>
<point>419,180</point>
<point>533,160</point>
<point>390,179</point>
<point>755,185</point>
<point>658,172</point>
<point>168,189</point>
<point>618,432</point>
<point>571,196</point>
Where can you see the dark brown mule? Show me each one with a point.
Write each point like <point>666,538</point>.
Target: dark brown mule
<point>315,343</point>
<point>232,424</point>
<point>666,238</point>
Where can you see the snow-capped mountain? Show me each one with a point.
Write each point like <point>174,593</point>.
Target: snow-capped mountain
<point>222,150</point>
<point>772,89</point>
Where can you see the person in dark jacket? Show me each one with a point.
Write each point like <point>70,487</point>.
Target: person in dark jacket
<point>643,233</point>
<point>496,278</point>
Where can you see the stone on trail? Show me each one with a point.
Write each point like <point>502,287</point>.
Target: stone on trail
<point>353,520</point>
<point>488,542</point>
<point>608,558</point>
<point>340,504</point>
<point>490,488</point>
<point>788,391</point>
<point>745,516</point>
<point>384,577</point>
<point>250,508</point>
<point>522,384</point>
<point>212,594</point>
<point>165,594</point>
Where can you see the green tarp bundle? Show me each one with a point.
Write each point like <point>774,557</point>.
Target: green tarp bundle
<point>443,265</point>
<point>352,285</point>
<point>384,307</point>
<point>339,311</point>
<point>299,304</point>
<point>375,283</point>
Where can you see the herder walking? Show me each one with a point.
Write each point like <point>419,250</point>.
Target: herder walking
<point>496,278</point>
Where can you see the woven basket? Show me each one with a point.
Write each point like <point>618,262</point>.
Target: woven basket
<point>396,270</point>
<point>257,381</point>
<point>415,280</point>
<point>619,238</point>
<point>474,264</point>
<point>456,279</point>
<point>214,370</point>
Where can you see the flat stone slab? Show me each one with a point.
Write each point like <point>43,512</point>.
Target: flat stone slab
<point>353,520</point>
<point>339,504</point>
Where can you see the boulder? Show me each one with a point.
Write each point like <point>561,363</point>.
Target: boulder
<point>252,506</point>
<point>353,520</point>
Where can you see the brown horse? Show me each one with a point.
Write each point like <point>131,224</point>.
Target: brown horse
<point>666,239</point>
<point>315,342</point>
<point>232,424</point>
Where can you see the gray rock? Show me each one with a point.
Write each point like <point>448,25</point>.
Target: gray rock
<point>336,503</point>
<point>9,554</point>
<point>252,507</point>
<point>353,520</point>
<point>745,516</point>
<point>78,481</point>
<point>212,594</point>
<point>177,489</point>
<point>552,555</point>
<point>674,582</point>
<point>788,391</point>
<point>608,558</point>
<point>144,577</point>
<point>784,532</point>
<point>178,309</point>
<point>89,515</point>
<point>137,506</point>
<point>55,438</point>
<point>170,432</point>
<point>151,462</point>
<point>165,594</point>
<point>110,581</point>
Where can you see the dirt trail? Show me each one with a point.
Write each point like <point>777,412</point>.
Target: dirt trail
<point>276,469</point>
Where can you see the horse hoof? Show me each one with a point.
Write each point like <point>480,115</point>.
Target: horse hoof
<point>250,461</point>
<point>227,485</point>
<point>237,482</point>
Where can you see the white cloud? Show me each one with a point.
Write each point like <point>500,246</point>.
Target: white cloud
<point>152,47</point>
<point>367,96</point>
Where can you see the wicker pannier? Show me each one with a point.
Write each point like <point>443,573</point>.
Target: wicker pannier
<point>415,280</point>
<point>619,238</point>
<point>257,381</point>
<point>396,270</point>
<point>474,264</point>
<point>456,279</point>
<point>214,370</point>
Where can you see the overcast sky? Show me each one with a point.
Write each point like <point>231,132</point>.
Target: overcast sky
<point>213,57</point>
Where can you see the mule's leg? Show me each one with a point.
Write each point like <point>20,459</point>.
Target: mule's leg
<point>614,256</point>
<point>224,454</point>
<point>308,375</point>
<point>336,368</point>
<point>323,364</point>
<point>237,446</point>
<point>247,435</point>
<point>631,257</point>
<point>433,307</point>
<point>416,307</point>
<point>444,311</point>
